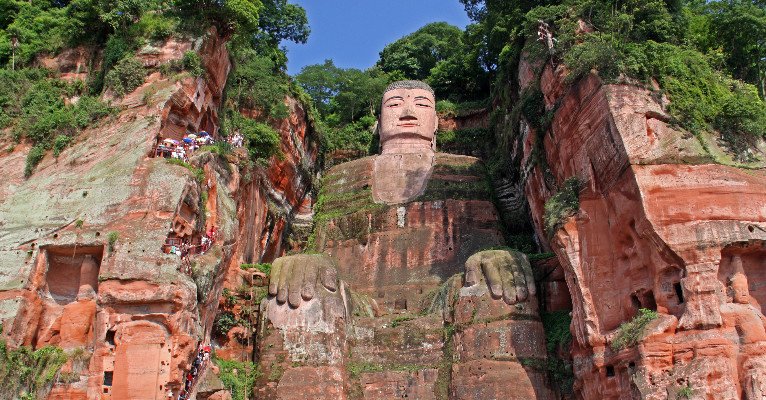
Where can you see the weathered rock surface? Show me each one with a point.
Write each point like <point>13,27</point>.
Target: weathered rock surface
<point>81,261</point>
<point>651,232</point>
<point>458,338</point>
<point>397,253</point>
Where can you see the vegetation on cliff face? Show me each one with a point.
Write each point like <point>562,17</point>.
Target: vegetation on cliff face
<point>238,377</point>
<point>38,109</point>
<point>28,374</point>
<point>712,72</point>
<point>630,333</point>
<point>34,107</point>
<point>562,205</point>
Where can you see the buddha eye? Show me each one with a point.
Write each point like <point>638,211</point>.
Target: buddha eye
<point>395,104</point>
<point>423,105</point>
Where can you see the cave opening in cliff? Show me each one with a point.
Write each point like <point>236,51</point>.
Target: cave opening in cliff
<point>109,338</point>
<point>72,271</point>
<point>609,371</point>
<point>679,292</point>
<point>643,298</point>
<point>108,378</point>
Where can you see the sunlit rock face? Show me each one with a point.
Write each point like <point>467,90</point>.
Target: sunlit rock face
<point>81,240</point>
<point>659,227</point>
<point>397,231</point>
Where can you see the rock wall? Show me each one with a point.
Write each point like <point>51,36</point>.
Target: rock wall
<point>660,227</point>
<point>395,254</point>
<point>385,311</point>
<point>82,265</point>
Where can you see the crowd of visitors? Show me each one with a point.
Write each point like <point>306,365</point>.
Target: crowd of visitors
<point>236,140</point>
<point>198,365</point>
<point>184,148</point>
<point>184,248</point>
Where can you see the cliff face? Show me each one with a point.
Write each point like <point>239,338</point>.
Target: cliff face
<point>416,299</point>
<point>385,311</point>
<point>659,227</point>
<point>82,265</point>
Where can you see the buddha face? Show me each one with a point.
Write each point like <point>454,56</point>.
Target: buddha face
<point>407,120</point>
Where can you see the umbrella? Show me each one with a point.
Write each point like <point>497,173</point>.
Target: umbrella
<point>188,140</point>
<point>171,141</point>
<point>191,135</point>
<point>203,133</point>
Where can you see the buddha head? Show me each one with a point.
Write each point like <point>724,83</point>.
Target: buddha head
<point>408,118</point>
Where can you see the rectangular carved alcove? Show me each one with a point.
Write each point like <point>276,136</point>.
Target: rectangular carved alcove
<point>749,260</point>
<point>71,270</point>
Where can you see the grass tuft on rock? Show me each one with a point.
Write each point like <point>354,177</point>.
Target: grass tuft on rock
<point>561,205</point>
<point>630,333</point>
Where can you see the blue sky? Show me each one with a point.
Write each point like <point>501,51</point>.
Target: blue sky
<point>353,32</point>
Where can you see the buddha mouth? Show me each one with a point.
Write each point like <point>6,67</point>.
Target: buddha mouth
<point>408,125</point>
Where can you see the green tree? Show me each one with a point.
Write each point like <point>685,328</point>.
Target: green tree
<point>415,54</point>
<point>280,20</point>
<point>739,27</point>
<point>359,93</point>
<point>462,76</point>
<point>322,83</point>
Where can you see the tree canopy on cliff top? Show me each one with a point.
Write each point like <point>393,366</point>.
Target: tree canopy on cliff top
<point>117,29</point>
<point>709,57</point>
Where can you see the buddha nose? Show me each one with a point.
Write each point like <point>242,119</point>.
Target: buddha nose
<point>408,112</point>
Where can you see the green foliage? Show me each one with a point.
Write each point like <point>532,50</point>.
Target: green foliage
<point>111,239</point>
<point>356,136</point>
<point>263,267</point>
<point>463,140</point>
<point>347,101</point>
<point>27,373</point>
<point>238,377</point>
<point>561,205</point>
<point>258,83</point>
<point>356,369</point>
<point>417,53</point>
<point>34,157</point>
<point>222,148</point>
<point>224,322</point>
<point>401,319</point>
<point>738,28</point>
<point>685,392</point>
<point>262,141</point>
<point>198,173</point>
<point>322,83</point>
<point>700,97</point>
<point>192,62</point>
<point>127,75</point>
<point>280,20</point>
<point>446,108</point>
<point>78,224</point>
<point>34,107</point>
<point>556,325</point>
<point>60,143</point>
<point>156,26</point>
<point>631,333</point>
<point>561,374</point>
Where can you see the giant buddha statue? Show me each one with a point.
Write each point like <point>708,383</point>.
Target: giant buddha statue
<point>402,302</point>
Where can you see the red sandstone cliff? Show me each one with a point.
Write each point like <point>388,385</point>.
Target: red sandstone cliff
<point>81,261</point>
<point>659,226</point>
